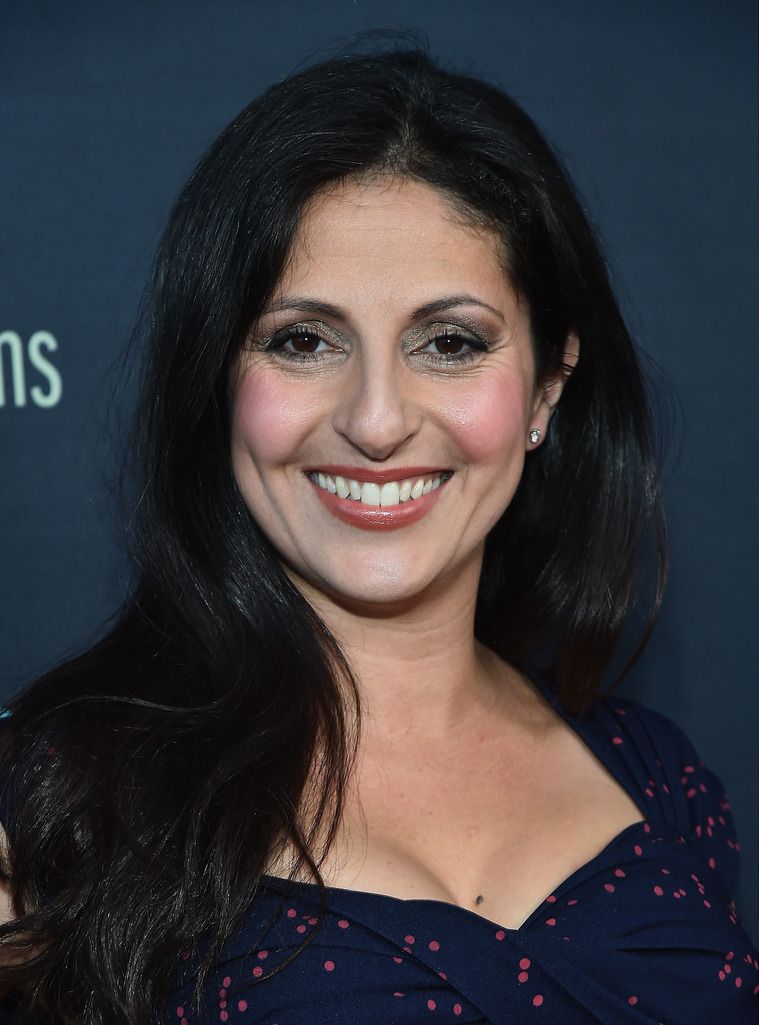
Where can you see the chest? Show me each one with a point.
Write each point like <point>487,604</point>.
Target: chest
<point>493,826</point>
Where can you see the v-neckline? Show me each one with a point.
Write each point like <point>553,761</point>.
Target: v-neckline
<point>344,897</point>
<point>349,895</point>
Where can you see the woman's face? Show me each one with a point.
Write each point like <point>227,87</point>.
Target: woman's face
<point>383,403</point>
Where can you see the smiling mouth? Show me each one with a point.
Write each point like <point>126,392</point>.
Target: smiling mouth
<point>369,493</point>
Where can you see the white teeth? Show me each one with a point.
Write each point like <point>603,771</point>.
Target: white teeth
<point>368,493</point>
<point>390,494</point>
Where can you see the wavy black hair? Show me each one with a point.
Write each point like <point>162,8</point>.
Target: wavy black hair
<point>148,782</point>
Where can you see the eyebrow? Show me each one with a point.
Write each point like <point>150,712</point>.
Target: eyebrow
<point>448,302</point>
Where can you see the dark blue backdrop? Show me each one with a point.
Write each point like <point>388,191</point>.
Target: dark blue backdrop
<point>105,107</point>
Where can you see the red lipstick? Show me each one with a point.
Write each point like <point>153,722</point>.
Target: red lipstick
<point>375,517</point>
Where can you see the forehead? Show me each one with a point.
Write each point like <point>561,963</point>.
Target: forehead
<point>393,235</point>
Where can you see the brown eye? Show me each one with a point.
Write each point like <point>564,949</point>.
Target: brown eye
<point>298,343</point>
<point>304,341</point>
<point>448,345</point>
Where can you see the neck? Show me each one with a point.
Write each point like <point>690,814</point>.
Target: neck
<point>419,669</point>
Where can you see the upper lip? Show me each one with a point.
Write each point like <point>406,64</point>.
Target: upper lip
<point>363,473</point>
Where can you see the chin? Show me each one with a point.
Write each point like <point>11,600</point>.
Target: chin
<point>374,587</point>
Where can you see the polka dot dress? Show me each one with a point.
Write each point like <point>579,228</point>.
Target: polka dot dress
<point>645,932</point>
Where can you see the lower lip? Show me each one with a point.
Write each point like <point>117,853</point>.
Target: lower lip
<point>376,517</point>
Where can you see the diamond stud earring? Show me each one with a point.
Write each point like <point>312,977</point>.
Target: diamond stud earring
<point>535,435</point>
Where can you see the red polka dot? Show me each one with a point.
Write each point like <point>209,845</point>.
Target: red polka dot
<point>457,1009</point>
<point>291,912</point>
<point>180,1012</point>
<point>537,1000</point>
<point>313,921</point>
<point>329,966</point>
<point>658,891</point>
<point>343,923</point>
<point>665,871</point>
<point>398,960</point>
<point>500,935</point>
<point>637,849</point>
<point>730,955</point>
<point>632,1001</point>
<point>707,904</point>
<point>711,863</point>
<point>721,975</point>
<point>242,1005</point>
<point>431,1005</point>
<point>409,939</point>
<point>257,971</point>
<point>300,928</point>
<point>738,981</point>
<point>224,1015</point>
<point>617,740</point>
<point>646,827</point>
<point>227,981</point>
<point>525,963</point>
<point>571,903</point>
<point>551,899</point>
<point>433,945</point>
<point>262,955</point>
<point>619,873</point>
<point>550,921</point>
<point>523,976</point>
<point>222,1004</point>
<point>609,887</point>
<point>728,969</point>
<point>397,994</point>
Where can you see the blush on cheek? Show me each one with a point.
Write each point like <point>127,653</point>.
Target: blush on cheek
<point>489,423</point>
<point>270,416</point>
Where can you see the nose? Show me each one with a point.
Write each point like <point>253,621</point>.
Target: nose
<point>376,413</point>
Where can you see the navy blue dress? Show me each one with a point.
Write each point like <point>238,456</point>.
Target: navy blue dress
<point>645,932</point>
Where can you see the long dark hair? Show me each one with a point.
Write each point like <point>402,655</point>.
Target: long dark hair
<point>148,782</point>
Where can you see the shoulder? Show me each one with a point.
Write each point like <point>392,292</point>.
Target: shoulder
<point>675,782</point>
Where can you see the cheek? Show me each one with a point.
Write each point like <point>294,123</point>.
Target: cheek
<point>489,423</point>
<point>270,417</point>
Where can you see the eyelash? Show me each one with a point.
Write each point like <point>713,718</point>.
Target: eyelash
<point>276,344</point>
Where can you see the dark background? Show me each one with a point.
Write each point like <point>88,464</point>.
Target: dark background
<point>105,107</point>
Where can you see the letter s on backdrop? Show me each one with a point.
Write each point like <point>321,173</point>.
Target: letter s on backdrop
<point>44,340</point>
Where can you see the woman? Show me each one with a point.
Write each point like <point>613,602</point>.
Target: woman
<point>395,452</point>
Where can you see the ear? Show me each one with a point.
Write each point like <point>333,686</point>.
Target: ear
<point>548,392</point>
